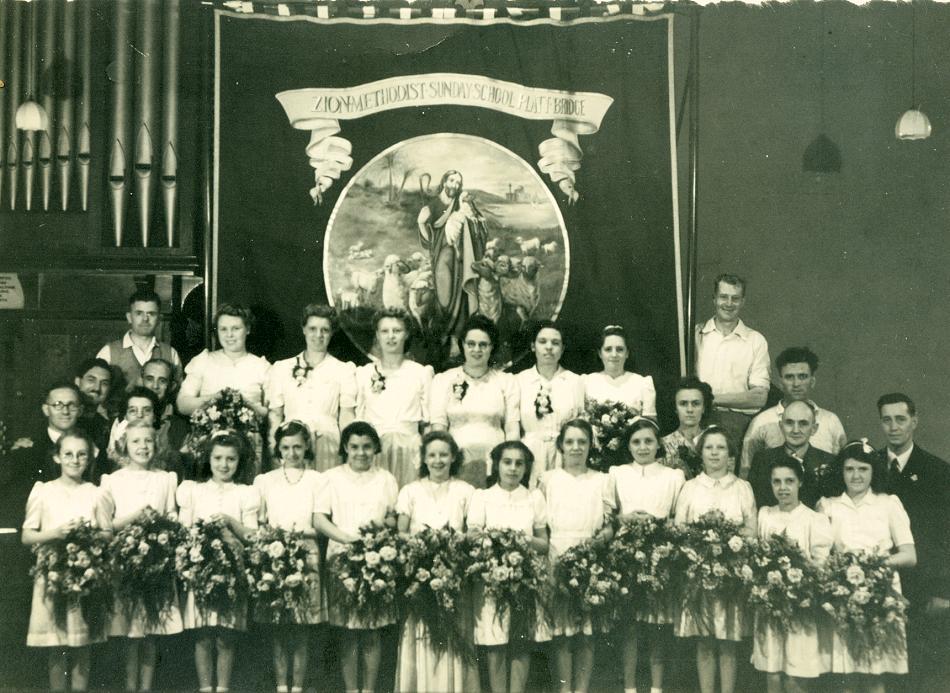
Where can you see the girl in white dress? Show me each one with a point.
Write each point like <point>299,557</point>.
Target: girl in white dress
<point>231,366</point>
<point>354,494</point>
<point>645,489</point>
<point>392,395</point>
<point>314,387</point>
<point>288,496</point>
<point>580,505</point>
<point>614,383</point>
<point>865,518</point>
<point>476,403</point>
<point>804,652</point>
<point>128,492</point>
<point>716,488</point>
<point>507,504</point>
<point>225,496</point>
<point>437,499</point>
<point>54,509</point>
<point>550,395</point>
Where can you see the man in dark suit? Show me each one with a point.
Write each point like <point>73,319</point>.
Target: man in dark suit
<point>798,426</point>
<point>922,482</point>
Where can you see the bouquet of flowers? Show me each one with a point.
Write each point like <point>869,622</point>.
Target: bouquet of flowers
<point>689,459</point>
<point>143,558</point>
<point>869,613</point>
<point>785,584</point>
<point>282,575</point>
<point>590,586</point>
<point>609,421</point>
<point>76,574</point>
<point>646,552</point>
<point>211,566</point>
<point>364,576</point>
<point>433,571</point>
<point>511,573</point>
<point>719,565</point>
<point>226,412</point>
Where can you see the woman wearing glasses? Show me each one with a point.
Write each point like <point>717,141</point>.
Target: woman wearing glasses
<point>475,402</point>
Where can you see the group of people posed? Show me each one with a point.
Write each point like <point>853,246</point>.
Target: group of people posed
<point>475,447</point>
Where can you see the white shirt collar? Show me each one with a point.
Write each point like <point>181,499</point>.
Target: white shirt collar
<point>127,342</point>
<point>902,458</point>
<point>741,330</point>
<point>54,434</point>
<point>724,482</point>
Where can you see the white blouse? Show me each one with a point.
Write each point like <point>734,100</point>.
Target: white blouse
<point>576,506</point>
<point>212,371</point>
<point>488,405</point>
<point>634,390</point>
<point>398,403</point>
<point>201,501</point>
<point>877,522</point>
<point>807,528</point>
<point>650,488</point>
<point>428,504</point>
<point>52,504</point>
<point>494,507</point>
<point>128,490</point>
<point>316,399</point>
<point>354,499</point>
<point>730,495</point>
<point>289,505</point>
<point>564,391</point>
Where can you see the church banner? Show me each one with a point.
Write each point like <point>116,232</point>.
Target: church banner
<point>519,170</point>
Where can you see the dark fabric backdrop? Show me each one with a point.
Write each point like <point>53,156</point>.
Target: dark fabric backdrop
<point>270,235</point>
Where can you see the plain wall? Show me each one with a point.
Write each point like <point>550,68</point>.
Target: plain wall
<point>853,264</point>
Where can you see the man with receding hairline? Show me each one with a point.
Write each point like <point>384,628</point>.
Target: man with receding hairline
<point>796,368</point>
<point>798,426</point>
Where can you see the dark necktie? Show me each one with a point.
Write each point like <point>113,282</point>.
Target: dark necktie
<point>895,469</point>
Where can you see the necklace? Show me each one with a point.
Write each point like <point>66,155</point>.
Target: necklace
<point>283,470</point>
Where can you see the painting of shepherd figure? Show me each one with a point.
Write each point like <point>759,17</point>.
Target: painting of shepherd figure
<point>444,226</point>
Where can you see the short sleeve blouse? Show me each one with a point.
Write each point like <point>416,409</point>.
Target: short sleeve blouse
<point>129,490</point>
<point>428,504</point>
<point>730,495</point>
<point>52,504</point>
<point>289,505</point>
<point>201,501</point>
<point>212,371</point>
<point>521,509</point>
<point>807,528</point>
<point>653,488</point>
<point>354,499</point>
<point>876,522</point>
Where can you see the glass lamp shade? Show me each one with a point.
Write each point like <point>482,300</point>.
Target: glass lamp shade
<point>30,116</point>
<point>913,125</point>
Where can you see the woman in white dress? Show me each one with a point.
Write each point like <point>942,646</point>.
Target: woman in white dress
<point>716,488</point>
<point>354,494</point>
<point>804,652</point>
<point>392,395</point>
<point>865,518</point>
<point>645,489</point>
<point>693,401</point>
<point>507,504</point>
<point>128,492</point>
<point>550,395</point>
<point>580,506</point>
<point>54,509</point>
<point>288,496</point>
<point>314,387</point>
<point>231,366</point>
<point>223,496</point>
<point>437,499</point>
<point>476,403</point>
<point>615,383</point>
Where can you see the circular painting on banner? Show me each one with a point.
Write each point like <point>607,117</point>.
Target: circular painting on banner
<point>445,226</point>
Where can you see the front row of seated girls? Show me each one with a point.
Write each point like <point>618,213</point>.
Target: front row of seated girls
<point>570,505</point>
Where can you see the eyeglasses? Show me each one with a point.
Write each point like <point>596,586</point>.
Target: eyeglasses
<point>60,407</point>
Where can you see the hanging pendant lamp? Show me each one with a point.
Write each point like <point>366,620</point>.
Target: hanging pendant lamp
<point>914,123</point>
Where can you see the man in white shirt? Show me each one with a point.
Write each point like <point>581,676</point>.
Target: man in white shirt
<point>139,345</point>
<point>733,358</point>
<point>796,368</point>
